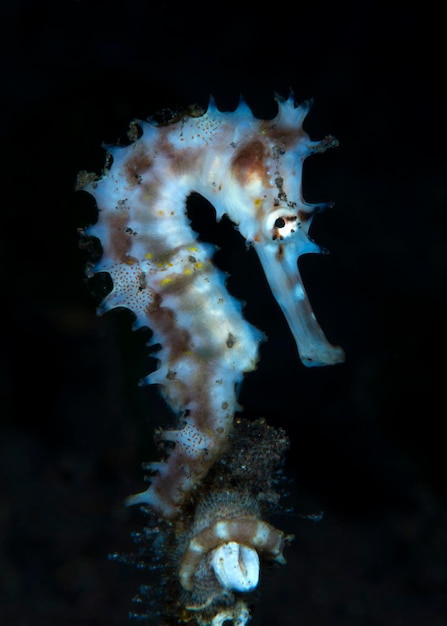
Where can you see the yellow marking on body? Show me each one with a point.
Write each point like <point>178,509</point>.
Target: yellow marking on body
<point>148,255</point>
<point>258,202</point>
<point>199,265</point>
<point>193,249</point>
<point>165,281</point>
<point>187,271</point>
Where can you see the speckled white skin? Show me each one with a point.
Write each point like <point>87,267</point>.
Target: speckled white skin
<point>249,169</point>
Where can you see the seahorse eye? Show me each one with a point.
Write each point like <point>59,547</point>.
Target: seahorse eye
<point>280,222</point>
<point>284,227</point>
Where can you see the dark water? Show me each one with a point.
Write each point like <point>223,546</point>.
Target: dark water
<point>367,442</point>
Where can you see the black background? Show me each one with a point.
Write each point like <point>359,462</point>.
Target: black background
<point>367,443</point>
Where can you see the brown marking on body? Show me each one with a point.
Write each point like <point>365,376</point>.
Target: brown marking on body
<point>137,165</point>
<point>249,162</point>
<point>279,253</point>
<point>179,343</point>
<point>120,238</point>
<point>164,321</point>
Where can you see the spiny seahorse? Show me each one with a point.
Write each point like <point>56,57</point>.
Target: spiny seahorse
<point>250,170</point>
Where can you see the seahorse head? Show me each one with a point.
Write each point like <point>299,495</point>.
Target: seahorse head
<point>254,175</point>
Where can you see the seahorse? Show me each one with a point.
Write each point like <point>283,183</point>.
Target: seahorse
<point>250,170</point>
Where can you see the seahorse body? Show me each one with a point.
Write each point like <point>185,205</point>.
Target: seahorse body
<point>251,170</point>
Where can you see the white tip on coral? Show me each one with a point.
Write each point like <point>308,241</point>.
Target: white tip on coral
<point>236,566</point>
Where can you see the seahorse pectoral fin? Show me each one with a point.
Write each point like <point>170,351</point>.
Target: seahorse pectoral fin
<point>281,270</point>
